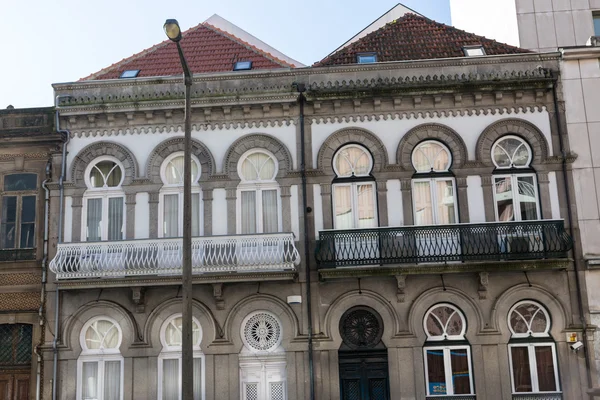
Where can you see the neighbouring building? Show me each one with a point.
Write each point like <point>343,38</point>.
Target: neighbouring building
<point>432,258</point>
<point>28,145</point>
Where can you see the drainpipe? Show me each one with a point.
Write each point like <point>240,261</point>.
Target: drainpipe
<point>576,259</point>
<point>38,386</point>
<point>63,173</point>
<point>301,88</point>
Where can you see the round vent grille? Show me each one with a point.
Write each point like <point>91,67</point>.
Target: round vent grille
<point>361,328</point>
<point>262,332</point>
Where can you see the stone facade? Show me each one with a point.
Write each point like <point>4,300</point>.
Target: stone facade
<point>388,110</point>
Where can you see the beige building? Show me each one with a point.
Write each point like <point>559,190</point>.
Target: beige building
<point>28,145</point>
<point>431,259</point>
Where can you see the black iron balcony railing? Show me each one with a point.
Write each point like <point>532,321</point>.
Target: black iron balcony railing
<point>526,240</point>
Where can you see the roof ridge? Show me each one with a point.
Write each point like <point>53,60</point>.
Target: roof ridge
<point>249,46</point>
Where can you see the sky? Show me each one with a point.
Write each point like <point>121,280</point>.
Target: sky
<point>56,41</point>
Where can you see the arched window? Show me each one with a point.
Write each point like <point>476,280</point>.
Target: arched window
<point>354,202</point>
<point>515,183</point>
<point>262,360</point>
<point>169,360</point>
<point>104,200</point>
<point>171,197</point>
<point>447,354</point>
<point>18,212</point>
<point>100,365</point>
<point>532,359</point>
<point>258,193</point>
<point>433,185</point>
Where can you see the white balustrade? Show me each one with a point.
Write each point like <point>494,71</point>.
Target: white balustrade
<point>212,254</point>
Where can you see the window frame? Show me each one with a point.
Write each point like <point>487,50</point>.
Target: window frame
<point>354,202</point>
<point>533,366</point>
<point>177,188</point>
<point>19,195</point>
<point>352,176</point>
<point>515,193</point>
<point>360,56</point>
<point>448,368</point>
<point>529,334</point>
<point>511,167</point>
<point>434,196</point>
<point>444,337</point>
<point>596,22</point>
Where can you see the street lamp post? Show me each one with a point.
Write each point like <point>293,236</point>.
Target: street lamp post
<point>173,32</point>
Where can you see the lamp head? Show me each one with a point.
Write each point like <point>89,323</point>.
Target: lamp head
<point>172,30</point>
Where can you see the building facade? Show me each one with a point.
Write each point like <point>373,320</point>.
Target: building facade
<point>28,146</point>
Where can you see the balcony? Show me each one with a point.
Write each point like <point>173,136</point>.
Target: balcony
<point>441,244</point>
<point>214,255</point>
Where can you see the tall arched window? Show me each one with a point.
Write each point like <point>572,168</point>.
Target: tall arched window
<point>354,202</point>
<point>447,352</point>
<point>515,183</point>
<point>258,193</point>
<point>169,360</point>
<point>433,185</point>
<point>104,200</point>
<point>262,360</point>
<point>532,359</point>
<point>100,365</point>
<point>171,197</point>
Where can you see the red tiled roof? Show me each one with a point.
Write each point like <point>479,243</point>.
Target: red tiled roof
<point>414,37</point>
<point>206,49</point>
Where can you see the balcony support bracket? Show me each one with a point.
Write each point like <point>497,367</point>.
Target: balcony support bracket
<point>401,288</point>
<point>218,295</point>
<point>139,298</point>
<point>483,285</point>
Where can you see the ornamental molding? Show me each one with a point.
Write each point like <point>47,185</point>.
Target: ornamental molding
<point>28,156</point>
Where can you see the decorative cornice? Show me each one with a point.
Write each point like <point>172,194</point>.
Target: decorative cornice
<point>29,156</point>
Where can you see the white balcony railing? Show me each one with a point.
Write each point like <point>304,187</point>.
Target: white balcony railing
<point>212,254</point>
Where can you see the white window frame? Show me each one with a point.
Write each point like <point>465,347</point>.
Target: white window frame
<point>448,369</point>
<point>352,145</point>
<point>533,366</point>
<point>500,140</point>
<point>434,197</point>
<point>105,194</point>
<point>529,333</point>
<point>457,310</point>
<point>257,186</point>
<point>354,201</point>
<point>515,194</point>
<point>100,356</point>
<point>175,353</point>
<point>431,170</point>
<point>177,189</point>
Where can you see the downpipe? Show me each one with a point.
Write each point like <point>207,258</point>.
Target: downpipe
<point>41,313</point>
<point>63,173</point>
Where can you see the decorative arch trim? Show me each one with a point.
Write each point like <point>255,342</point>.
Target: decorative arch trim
<point>441,133</point>
<point>95,150</point>
<point>257,141</point>
<point>512,126</point>
<point>345,136</point>
<point>170,146</point>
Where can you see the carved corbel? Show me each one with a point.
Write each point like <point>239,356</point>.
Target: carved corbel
<point>266,109</point>
<point>337,105</point>
<point>207,113</point>
<point>73,120</point>
<point>498,96</point>
<point>397,103</point>
<point>130,117</point>
<point>218,295</point>
<point>376,104</point>
<point>356,103</point>
<point>483,285</point>
<point>401,288</point>
<point>246,110</point>
<point>437,99</point>
<point>518,95</point>
<point>417,100</point>
<point>110,118</point>
<point>139,298</point>
<point>149,116</point>
<point>539,94</point>
<point>286,109</point>
<point>457,99</point>
<point>227,111</point>
<point>168,114</point>
<point>478,97</point>
<point>91,119</point>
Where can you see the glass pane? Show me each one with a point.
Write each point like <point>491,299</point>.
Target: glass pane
<point>20,182</point>
<point>352,160</point>
<point>27,222</point>
<point>173,333</point>
<point>527,198</point>
<point>94,219</point>
<point>435,372</point>
<point>342,208</point>
<point>545,369</point>
<point>269,204</point>
<point>102,334</point>
<point>461,381</point>
<point>105,174</point>
<point>431,156</point>
<point>521,371</point>
<point>89,378</point>
<point>445,202</point>
<point>434,326</point>
<point>24,334</point>
<point>115,218</point>
<point>112,380</point>
<point>504,198</point>
<point>8,226</point>
<point>6,344</point>
<point>197,379</point>
<point>174,171</point>
<point>444,320</point>
<point>170,380</point>
<point>171,215</point>
<point>511,152</point>
<point>423,203</point>
<point>366,206</point>
<point>248,212</point>
<point>258,166</point>
<point>596,25</point>
<point>195,214</point>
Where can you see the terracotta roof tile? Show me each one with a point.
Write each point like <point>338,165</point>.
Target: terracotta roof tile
<point>207,49</point>
<point>414,37</point>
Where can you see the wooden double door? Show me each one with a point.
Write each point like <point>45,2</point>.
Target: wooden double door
<point>14,386</point>
<point>364,375</point>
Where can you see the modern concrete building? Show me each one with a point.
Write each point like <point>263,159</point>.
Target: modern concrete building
<point>28,144</point>
<point>400,207</point>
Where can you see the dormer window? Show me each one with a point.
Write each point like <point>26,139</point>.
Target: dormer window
<point>474,51</point>
<point>130,73</point>
<point>366,58</point>
<point>242,65</point>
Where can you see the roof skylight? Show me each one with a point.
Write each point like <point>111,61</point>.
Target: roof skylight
<point>474,51</point>
<point>366,58</point>
<point>242,65</point>
<point>130,73</point>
